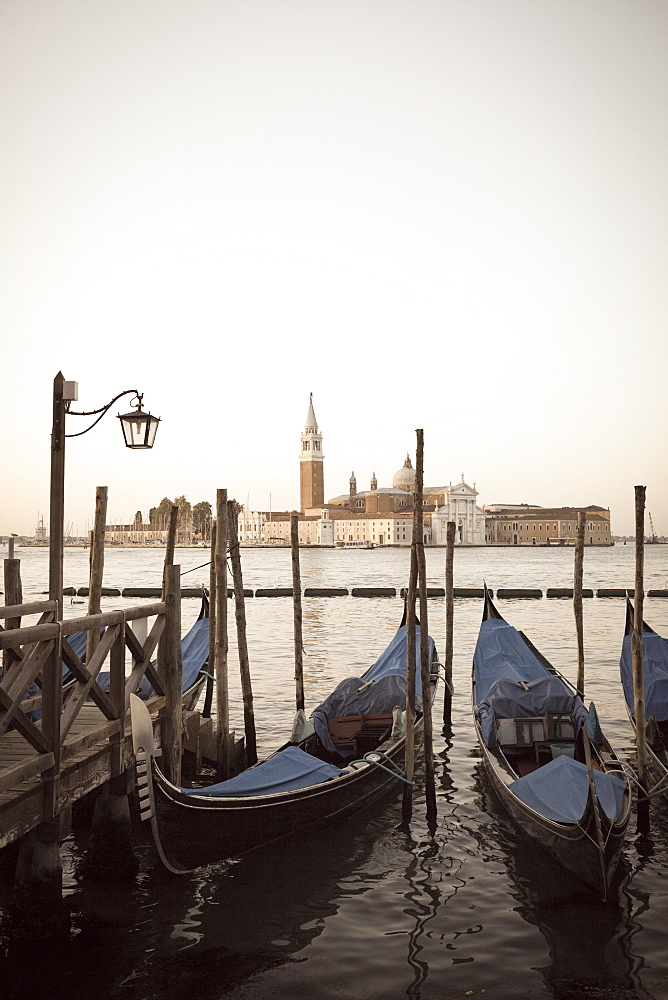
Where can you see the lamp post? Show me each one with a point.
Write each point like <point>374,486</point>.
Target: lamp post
<point>139,430</point>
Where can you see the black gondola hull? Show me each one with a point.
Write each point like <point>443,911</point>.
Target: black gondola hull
<point>197,831</point>
<point>573,845</point>
<point>581,848</point>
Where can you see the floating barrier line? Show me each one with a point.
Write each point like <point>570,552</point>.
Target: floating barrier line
<point>432,592</point>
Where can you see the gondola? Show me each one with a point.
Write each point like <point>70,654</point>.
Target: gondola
<point>544,752</point>
<point>655,675</point>
<point>348,755</point>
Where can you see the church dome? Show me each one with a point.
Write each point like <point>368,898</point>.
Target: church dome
<point>404,479</point>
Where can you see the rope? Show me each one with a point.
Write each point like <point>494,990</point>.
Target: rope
<point>227,558</point>
<point>393,770</point>
<point>186,571</point>
<point>595,842</point>
<point>657,789</point>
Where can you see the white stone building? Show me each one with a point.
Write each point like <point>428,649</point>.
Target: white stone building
<point>460,506</point>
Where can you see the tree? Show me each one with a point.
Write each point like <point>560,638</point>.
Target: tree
<point>185,511</point>
<point>138,519</point>
<point>159,516</point>
<point>202,513</point>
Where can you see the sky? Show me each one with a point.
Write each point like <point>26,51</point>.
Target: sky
<point>439,214</point>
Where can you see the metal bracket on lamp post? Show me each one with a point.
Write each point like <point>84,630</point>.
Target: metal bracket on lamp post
<point>65,393</point>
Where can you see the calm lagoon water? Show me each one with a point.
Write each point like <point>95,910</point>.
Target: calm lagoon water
<point>363,910</point>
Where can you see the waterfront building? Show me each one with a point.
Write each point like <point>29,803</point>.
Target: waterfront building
<point>459,505</point>
<point>383,515</point>
<point>376,516</point>
<point>144,534</point>
<point>524,525</point>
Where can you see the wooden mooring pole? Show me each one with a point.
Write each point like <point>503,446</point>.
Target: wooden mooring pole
<point>110,857</point>
<point>242,642</point>
<point>409,752</point>
<point>96,560</point>
<point>425,663</point>
<point>297,605</point>
<point>169,659</point>
<point>171,672</point>
<point>577,598</point>
<point>37,909</point>
<point>13,595</point>
<point>637,663</point>
<point>449,621</point>
<point>171,535</point>
<point>220,644</point>
<point>208,694</point>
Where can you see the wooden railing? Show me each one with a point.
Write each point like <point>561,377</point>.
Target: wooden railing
<point>37,654</point>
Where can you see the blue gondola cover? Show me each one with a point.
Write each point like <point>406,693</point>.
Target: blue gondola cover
<point>502,653</point>
<point>559,790</point>
<point>511,682</point>
<point>195,652</point>
<point>655,668</point>
<point>287,770</point>
<point>356,696</point>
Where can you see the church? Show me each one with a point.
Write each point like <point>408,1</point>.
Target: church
<point>364,518</point>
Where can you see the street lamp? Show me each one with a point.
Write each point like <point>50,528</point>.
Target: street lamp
<point>139,429</point>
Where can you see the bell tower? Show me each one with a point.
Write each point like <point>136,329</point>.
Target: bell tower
<point>311,464</point>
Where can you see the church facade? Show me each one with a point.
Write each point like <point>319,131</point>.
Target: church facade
<point>373,517</point>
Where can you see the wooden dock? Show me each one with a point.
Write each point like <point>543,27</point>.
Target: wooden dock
<point>73,736</point>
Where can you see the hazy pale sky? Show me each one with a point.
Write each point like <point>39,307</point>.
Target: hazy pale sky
<point>447,215</point>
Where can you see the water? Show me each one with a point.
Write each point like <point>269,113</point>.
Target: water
<point>364,910</point>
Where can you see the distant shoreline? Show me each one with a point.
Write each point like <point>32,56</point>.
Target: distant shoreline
<point>344,548</point>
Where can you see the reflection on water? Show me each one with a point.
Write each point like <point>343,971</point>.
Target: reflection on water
<point>364,910</point>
